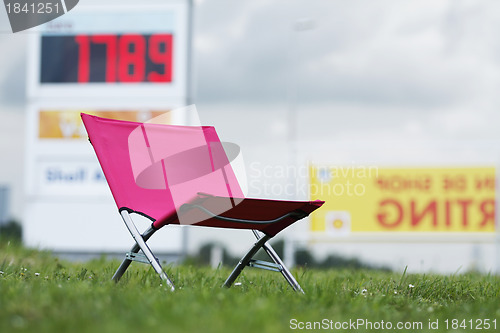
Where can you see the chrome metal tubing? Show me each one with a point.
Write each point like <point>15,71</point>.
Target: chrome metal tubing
<point>244,261</point>
<point>145,249</point>
<point>126,262</point>
<point>274,256</point>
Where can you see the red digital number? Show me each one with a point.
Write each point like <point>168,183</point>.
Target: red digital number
<point>131,64</point>
<point>161,57</point>
<point>83,58</point>
<point>110,42</point>
<point>126,57</point>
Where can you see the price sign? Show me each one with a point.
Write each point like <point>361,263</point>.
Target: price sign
<point>109,58</point>
<point>128,52</point>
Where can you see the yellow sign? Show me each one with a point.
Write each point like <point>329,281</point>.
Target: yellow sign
<point>67,124</point>
<point>369,199</point>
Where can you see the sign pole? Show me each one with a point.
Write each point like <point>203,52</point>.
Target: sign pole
<point>497,219</point>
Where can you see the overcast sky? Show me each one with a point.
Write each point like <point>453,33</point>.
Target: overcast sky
<point>360,69</point>
<point>418,53</point>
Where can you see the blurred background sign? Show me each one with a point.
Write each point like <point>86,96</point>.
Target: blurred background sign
<point>102,51</point>
<point>58,124</point>
<point>126,62</point>
<point>445,200</point>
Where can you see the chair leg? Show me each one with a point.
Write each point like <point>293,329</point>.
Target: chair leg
<point>262,242</point>
<point>145,249</point>
<point>124,265</point>
<point>286,273</point>
<point>126,262</point>
<point>244,261</point>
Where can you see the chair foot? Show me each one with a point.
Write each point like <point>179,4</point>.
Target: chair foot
<point>126,262</point>
<point>140,244</point>
<point>284,271</point>
<point>244,261</point>
<point>278,263</point>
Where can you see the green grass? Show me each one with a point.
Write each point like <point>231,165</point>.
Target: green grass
<point>39,293</point>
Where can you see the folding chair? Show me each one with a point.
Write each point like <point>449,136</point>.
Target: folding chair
<point>182,175</point>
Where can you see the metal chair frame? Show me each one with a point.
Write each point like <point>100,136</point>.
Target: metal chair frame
<point>148,257</point>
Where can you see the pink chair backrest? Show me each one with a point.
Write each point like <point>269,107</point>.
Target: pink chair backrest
<point>154,169</point>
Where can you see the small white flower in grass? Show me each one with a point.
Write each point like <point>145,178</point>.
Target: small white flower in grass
<point>1,272</point>
<point>411,286</point>
<point>364,292</point>
<point>37,274</point>
<point>237,284</point>
<point>395,292</point>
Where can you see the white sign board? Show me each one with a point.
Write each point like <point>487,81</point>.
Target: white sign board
<point>119,61</point>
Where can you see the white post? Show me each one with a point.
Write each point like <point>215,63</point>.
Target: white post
<point>299,25</point>
<point>216,256</point>
<point>289,252</point>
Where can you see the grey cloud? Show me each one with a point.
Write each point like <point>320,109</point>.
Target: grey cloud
<point>384,52</point>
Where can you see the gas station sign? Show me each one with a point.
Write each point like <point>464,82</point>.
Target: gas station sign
<point>124,61</point>
<point>453,200</point>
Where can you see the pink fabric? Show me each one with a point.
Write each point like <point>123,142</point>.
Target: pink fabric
<point>155,169</point>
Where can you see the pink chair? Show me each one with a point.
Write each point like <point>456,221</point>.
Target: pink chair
<point>182,175</point>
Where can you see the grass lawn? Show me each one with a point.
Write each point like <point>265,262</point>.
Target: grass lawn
<point>39,293</point>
